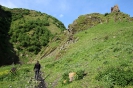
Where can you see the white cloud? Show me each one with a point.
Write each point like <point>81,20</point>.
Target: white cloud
<point>61,15</point>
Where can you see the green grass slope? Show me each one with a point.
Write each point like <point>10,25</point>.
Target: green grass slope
<point>104,53</point>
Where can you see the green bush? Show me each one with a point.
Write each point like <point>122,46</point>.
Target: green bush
<point>65,78</point>
<point>80,74</point>
<point>106,14</point>
<point>35,40</point>
<point>116,76</point>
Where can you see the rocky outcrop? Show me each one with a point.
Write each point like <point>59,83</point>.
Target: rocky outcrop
<point>115,9</point>
<point>84,22</point>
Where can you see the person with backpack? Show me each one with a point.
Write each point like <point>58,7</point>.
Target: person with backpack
<point>37,67</point>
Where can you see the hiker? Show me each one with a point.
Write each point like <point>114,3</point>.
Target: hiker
<point>37,69</point>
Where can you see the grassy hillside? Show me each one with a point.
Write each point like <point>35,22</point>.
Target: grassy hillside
<point>104,52</point>
<point>25,33</point>
<point>86,21</point>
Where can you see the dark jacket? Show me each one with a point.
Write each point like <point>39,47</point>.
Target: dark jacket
<point>37,66</point>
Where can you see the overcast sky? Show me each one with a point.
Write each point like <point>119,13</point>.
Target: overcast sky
<point>69,10</point>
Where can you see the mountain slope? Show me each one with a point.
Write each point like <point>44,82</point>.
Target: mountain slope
<point>28,32</point>
<point>103,53</point>
<point>99,49</point>
<point>86,21</point>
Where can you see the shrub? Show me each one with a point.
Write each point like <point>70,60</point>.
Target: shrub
<point>116,76</point>
<point>106,14</point>
<point>80,74</point>
<point>65,78</point>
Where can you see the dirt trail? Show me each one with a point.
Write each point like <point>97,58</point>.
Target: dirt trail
<point>42,83</point>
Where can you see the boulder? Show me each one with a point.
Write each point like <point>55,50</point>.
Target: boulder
<point>71,76</point>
